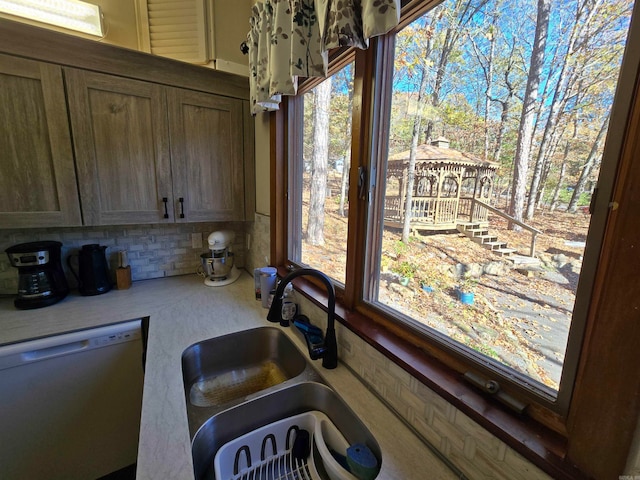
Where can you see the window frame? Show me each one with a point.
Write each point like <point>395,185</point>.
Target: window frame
<point>580,441</point>
<point>338,60</point>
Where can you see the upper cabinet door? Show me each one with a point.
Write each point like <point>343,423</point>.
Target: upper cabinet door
<point>122,153</point>
<point>37,176</point>
<point>206,155</point>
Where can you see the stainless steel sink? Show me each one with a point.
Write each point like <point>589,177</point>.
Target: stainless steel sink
<point>251,415</point>
<point>238,383</point>
<point>223,371</point>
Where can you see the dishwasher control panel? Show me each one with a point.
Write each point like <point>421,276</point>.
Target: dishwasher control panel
<point>23,353</point>
<point>114,338</point>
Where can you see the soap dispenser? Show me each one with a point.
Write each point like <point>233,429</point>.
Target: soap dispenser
<point>289,306</point>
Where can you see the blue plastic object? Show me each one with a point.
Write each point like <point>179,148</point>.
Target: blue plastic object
<point>467,298</point>
<point>312,335</point>
<point>362,462</point>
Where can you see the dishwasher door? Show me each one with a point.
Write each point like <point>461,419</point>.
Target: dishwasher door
<point>70,404</point>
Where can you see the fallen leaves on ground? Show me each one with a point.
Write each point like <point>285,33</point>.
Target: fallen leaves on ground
<point>499,323</point>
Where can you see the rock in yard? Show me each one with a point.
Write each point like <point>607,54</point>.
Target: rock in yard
<point>458,270</point>
<point>497,269</point>
<point>401,290</point>
<point>473,270</point>
<point>529,272</point>
<point>560,260</point>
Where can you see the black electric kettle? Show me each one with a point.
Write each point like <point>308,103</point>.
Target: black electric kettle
<point>93,272</point>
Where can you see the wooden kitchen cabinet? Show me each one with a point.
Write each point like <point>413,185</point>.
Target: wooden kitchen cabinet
<point>207,164</point>
<point>138,143</point>
<point>37,175</point>
<point>121,142</point>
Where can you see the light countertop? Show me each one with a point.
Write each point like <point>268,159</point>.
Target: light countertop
<point>183,311</point>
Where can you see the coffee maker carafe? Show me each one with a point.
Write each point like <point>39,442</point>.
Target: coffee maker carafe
<point>93,272</point>
<point>41,281</point>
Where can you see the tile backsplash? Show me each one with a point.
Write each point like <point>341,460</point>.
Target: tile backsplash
<point>260,242</point>
<point>154,251</point>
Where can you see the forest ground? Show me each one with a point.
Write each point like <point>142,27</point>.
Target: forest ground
<point>520,316</point>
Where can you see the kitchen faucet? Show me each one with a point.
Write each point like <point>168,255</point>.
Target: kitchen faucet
<point>330,354</point>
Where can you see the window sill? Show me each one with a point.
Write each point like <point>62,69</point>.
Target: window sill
<point>540,445</point>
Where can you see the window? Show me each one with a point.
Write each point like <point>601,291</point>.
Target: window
<point>473,182</point>
<point>439,186</point>
<point>458,70</point>
<point>319,202</point>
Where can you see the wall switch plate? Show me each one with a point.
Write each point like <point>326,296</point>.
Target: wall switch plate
<point>196,240</point>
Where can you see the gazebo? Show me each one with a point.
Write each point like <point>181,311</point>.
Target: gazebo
<point>446,184</point>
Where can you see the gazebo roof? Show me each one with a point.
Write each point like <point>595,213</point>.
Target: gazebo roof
<point>439,155</point>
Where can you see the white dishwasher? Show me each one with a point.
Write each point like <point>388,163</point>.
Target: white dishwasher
<point>70,404</point>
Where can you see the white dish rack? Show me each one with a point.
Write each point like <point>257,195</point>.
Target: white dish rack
<point>265,454</point>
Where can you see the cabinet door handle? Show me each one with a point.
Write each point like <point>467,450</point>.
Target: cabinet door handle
<point>166,212</point>
<point>181,200</point>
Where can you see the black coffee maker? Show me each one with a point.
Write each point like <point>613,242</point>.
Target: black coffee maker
<point>41,280</point>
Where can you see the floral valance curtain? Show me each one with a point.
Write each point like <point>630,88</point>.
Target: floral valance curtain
<point>291,38</point>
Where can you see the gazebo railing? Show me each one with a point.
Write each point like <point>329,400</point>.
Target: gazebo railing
<point>478,211</point>
<point>474,211</point>
<point>446,210</point>
<point>393,208</point>
<point>442,211</point>
<point>423,209</point>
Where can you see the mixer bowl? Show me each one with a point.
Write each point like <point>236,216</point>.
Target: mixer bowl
<point>217,265</point>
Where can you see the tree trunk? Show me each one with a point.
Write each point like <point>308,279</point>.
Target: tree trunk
<point>588,167</point>
<point>440,71</point>
<point>346,166</point>
<point>547,165</point>
<point>563,171</point>
<point>486,62</point>
<point>320,160</point>
<point>488,94</point>
<point>557,103</point>
<point>525,133</point>
<point>463,12</point>
<point>504,116</point>
<point>344,181</point>
<point>563,166</point>
<point>506,105</point>
<point>408,189</point>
